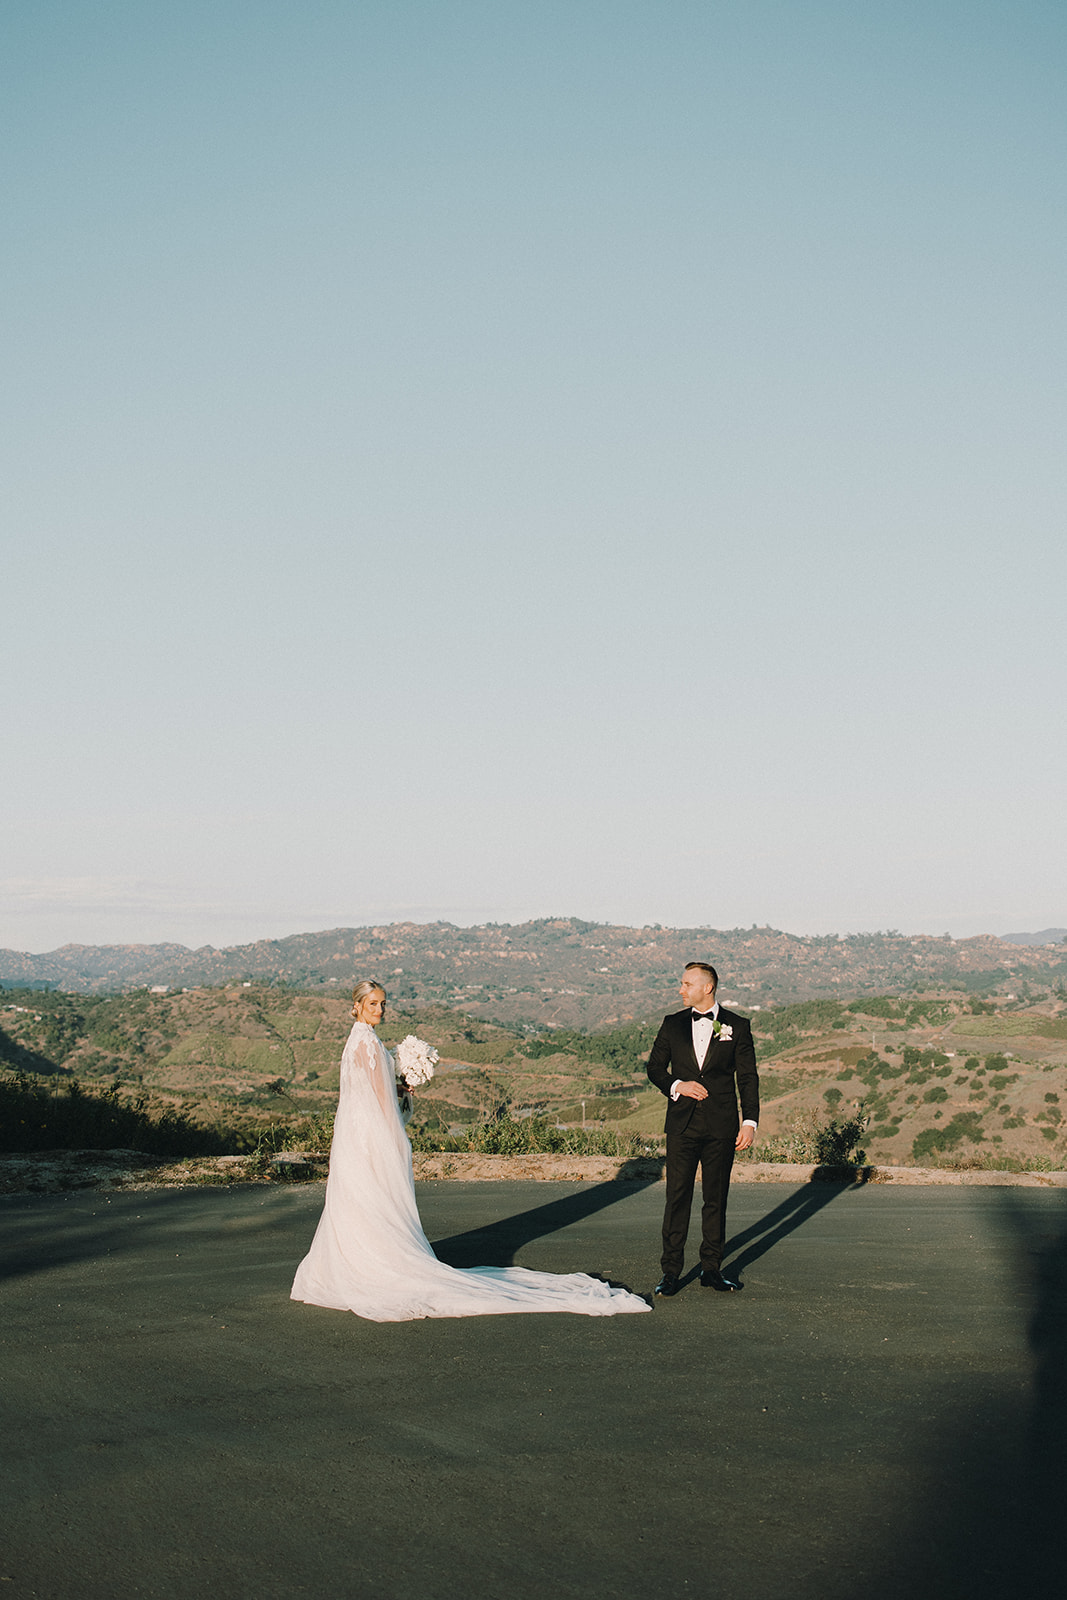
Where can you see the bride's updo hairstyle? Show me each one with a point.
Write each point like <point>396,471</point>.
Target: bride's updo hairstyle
<point>362,990</point>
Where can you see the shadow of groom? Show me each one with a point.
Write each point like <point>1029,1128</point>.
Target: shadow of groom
<point>825,1185</point>
<point>497,1244</point>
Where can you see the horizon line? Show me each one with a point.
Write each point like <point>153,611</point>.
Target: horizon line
<point>1058,934</point>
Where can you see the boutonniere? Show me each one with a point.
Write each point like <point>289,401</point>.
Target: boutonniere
<point>722,1030</point>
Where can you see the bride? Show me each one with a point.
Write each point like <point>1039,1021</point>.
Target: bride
<point>369,1254</point>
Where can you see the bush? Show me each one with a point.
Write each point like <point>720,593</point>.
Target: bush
<point>505,1136</point>
<point>880,1005</point>
<point>783,1027</point>
<point>935,1141</point>
<point>311,1134</point>
<point>502,1136</point>
<point>834,1143</point>
<point>617,1048</point>
<point>928,1061</point>
<point>837,1144</point>
<point>871,1068</point>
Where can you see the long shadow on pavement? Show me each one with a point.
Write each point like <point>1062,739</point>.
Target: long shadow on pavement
<point>497,1244</point>
<point>785,1219</point>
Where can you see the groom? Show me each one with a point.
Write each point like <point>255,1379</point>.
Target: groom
<point>698,1057</point>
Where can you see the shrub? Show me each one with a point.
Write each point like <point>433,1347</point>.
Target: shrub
<point>879,1005</point>
<point>837,1143</point>
<point>935,1141</point>
<point>871,1068</point>
<point>532,1136</point>
<point>618,1048</point>
<point>936,1094</point>
<point>834,1143</point>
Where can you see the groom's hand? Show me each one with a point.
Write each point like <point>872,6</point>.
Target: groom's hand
<point>692,1090</point>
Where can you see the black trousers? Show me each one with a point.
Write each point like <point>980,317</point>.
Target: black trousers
<point>686,1151</point>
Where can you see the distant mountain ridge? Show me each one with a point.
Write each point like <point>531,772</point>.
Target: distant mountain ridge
<point>1046,936</point>
<point>560,970</point>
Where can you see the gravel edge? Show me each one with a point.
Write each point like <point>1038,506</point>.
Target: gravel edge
<point>59,1171</point>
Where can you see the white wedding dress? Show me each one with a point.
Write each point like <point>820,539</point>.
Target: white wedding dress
<point>370,1255</point>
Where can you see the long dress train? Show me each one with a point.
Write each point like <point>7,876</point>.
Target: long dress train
<point>370,1255</point>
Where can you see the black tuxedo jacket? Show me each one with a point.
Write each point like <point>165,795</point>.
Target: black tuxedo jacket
<point>729,1062</point>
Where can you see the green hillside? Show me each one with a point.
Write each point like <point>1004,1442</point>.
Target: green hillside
<point>940,1077</point>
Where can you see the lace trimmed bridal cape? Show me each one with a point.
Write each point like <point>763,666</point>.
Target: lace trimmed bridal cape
<point>370,1255</point>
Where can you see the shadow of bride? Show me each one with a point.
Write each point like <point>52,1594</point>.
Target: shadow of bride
<point>497,1244</point>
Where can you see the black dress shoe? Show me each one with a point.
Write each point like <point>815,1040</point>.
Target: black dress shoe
<point>715,1280</point>
<point>668,1284</point>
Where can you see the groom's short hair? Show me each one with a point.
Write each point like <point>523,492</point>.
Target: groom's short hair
<point>702,966</point>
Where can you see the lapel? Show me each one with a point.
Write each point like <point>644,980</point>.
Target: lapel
<point>685,1020</point>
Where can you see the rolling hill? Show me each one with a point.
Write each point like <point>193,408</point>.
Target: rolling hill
<point>940,1075</point>
<point>558,972</point>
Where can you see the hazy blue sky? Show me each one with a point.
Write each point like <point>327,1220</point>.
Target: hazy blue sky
<point>488,460</point>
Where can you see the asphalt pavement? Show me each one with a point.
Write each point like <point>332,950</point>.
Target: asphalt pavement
<point>880,1412</point>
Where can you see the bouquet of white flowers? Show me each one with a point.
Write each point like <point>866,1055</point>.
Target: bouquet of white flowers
<point>414,1062</point>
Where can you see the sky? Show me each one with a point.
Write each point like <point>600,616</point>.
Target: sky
<point>489,460</point>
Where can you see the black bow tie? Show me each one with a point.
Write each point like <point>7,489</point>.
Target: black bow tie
<point>703,1016</point>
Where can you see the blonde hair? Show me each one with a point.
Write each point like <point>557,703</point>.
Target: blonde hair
<point>362,990</point>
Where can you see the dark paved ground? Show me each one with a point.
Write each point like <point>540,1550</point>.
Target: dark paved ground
<point>881,1412</point>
